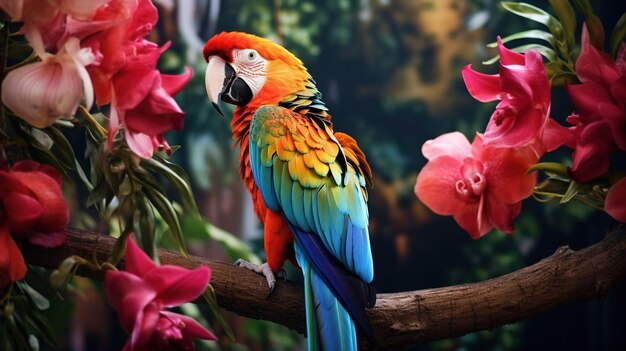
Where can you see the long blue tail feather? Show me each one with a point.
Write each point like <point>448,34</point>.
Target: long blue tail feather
<point>329,325</point>
<point>335,282</point>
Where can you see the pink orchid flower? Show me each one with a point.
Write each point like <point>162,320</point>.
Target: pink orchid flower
<point>481,187</point>
<point>600,101</point>
<point>522,116</point>
<point>615,202</point>
<point>42,92</point>
<point>140,295</point>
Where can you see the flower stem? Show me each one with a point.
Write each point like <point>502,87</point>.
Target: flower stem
<point>102,132</point>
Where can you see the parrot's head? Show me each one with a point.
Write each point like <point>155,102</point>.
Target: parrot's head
<point>246,70</point>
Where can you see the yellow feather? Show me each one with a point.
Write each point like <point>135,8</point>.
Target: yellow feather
<point>301,147</point>
<point>321,168</point>
<point>284,154</point>
<point>323,156</point>
<point>309,159</point>
<point>331,148</point>
<point>293,169</point>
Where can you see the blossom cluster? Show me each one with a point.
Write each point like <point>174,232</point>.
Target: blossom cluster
<point>95,50</point>
<point>482,185</point>
<point>142,292</point>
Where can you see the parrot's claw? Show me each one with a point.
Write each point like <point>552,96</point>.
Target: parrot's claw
<point>282,275</point>
<point>261,269</point>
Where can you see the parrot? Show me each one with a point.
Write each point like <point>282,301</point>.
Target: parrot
<point>308,183</point>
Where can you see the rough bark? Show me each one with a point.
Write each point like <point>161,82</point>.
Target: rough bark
<point>401,319</point>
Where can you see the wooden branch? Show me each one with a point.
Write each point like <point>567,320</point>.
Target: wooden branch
<point>400,319</point>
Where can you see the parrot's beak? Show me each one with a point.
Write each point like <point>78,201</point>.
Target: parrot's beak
<point>222,84</point>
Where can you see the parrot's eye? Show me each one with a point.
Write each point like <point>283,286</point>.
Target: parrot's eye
<point>251,55</point>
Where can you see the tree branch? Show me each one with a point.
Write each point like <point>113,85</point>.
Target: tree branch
<point>400,319</point>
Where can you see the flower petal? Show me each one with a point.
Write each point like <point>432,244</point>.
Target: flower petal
<point>453,145</point>
<point>56,213</point>
<point>591,156</point>
<point>474,219</point>
<point>615,203</point>
<point>593,64</point>
<point>145,328</point>
<point>507,56</point>
<point>554,135</point>
<point>23,211</point>
<point>436,185</point>
<point>136,261</point>
<point>156,114</point>
<point>505,170</point>
<point>80,8</point>
<point>12,265</point>
<point>47,239</point>
<point>129,295</point>
<point>482,87</point>
<point>514,130</point>
<point>615,115</point>
<point>42,92</point>
<point>13,8</point>
<point>140,143</point>
<point>586,98</point>
<point>176,285</point>
<point>193,329</point>
<point>503,215</point>
<point>33,166</point>
<point>174,83</point>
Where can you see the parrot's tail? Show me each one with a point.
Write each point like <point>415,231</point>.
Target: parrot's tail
<point>329,326</point>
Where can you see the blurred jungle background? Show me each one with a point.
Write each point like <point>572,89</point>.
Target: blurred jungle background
<point>390,72</point>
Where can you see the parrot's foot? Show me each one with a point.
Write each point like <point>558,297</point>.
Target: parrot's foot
<point>261,269</point>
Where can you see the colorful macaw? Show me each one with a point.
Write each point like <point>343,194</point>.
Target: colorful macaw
<point>308,183</point>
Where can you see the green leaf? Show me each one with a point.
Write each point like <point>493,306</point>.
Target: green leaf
<point>119,249</point>
<point>177,177</point>
<point>544,51</point>
<point>536,14</point>
<point>42,328</point>
<point>567,17</point>
<point>144,226</point>
<point>44,155</point>
<point>165,208</point>
<point>211,301</point>
<point>39,300</point>
<point>618,36</point>
<point>571,192</point>
<point>4,335</point>
<point>61,148</point>
<point>16,337</point>
<point>31,320</point>
<point>551,169</point>
<point>529,34</point>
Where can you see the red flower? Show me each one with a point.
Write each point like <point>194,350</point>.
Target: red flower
<point>126,75</point>
<point>142,292</point>
<point>12,265</point>
<point>522,116</point>
<point>32,208</point>
<point>481,187</point>
<point>600,101</point>
<point>615,203</point>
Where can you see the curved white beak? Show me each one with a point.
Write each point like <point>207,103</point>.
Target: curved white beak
<point>215,79</point>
